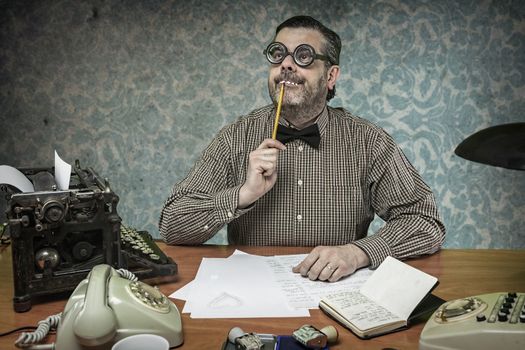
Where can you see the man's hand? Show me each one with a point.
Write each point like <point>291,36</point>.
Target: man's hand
<point>332,263</point>
<point>262,172</point>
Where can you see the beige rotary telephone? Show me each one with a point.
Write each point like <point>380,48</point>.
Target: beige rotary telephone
<point>106,307</point>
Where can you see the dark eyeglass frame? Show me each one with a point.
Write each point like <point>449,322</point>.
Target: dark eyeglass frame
<point>294,54</point>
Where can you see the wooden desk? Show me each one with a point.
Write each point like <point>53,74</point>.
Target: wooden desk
<point>461,273</point>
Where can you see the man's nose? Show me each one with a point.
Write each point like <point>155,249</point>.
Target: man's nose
<point>288,63</point>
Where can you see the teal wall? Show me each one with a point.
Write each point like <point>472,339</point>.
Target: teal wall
<point>137,89</point>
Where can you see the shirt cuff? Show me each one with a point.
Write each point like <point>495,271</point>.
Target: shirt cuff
<point>226,202</point>
<point>376,249</point>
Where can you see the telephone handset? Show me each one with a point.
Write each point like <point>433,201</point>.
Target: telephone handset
<point>106,307</point>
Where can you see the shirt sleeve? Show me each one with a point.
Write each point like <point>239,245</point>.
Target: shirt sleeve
<point>204,201</point>
<point>402,199</point>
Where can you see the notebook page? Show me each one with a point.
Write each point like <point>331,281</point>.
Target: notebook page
<point>398,287</point>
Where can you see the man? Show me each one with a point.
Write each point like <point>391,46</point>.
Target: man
<point>321,189</point>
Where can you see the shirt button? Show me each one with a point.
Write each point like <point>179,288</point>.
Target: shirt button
<point>300,148</point>
<point>300,182</point>
<point>299,217</point>
<point>230,214</point>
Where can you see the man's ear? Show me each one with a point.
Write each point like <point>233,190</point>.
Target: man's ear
<point>333,74</point>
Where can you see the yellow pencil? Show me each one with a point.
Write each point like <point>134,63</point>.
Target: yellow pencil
<point>278,113</point>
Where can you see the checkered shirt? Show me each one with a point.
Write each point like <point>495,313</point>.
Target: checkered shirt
<point>326,196</point>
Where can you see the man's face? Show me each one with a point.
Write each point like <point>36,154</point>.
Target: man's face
<point>306,87</point>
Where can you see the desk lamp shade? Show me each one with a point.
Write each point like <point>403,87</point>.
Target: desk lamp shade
<point>501,145</point>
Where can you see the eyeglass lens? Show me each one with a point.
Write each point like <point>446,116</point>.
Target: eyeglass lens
<point>303,55</point>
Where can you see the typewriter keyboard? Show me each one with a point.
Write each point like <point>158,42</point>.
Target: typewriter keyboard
<point>141,243</point>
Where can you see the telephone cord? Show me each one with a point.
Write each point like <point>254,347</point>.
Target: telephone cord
<point>127,274</point>
<point>26,339</point>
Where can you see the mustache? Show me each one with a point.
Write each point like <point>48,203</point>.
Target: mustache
<point>288,76</point>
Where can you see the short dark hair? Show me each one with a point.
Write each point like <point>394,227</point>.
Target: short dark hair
<point>332,46</point>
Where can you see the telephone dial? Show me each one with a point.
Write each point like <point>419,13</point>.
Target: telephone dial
<point>481,322</point>
<point>110,305</point>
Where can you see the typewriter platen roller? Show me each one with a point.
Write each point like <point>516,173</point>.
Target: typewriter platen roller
<point>57,236</point>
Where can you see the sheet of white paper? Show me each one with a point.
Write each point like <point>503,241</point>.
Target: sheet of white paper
<point>62,173</point>
<point>302,292</point>
<point>14,177</point>
<point>245,285</point>
<point>237,287</point>
<point>398,287</point>
<point>184,292</point>
<point>237,252</point>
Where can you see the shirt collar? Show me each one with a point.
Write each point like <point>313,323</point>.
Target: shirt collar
<point>322,121</point>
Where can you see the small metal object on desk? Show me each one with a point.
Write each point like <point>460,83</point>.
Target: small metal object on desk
<point>314,338</point>
<point>244,341</point>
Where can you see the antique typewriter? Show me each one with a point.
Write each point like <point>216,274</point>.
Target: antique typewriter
<point>57,236</point>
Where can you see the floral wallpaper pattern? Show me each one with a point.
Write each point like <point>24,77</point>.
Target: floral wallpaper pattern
<point>137,89</point>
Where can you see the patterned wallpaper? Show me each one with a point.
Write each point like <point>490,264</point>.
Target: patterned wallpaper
<point>137,89</point>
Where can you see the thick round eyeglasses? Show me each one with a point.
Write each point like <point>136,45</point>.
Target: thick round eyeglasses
<point>303,55</point>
